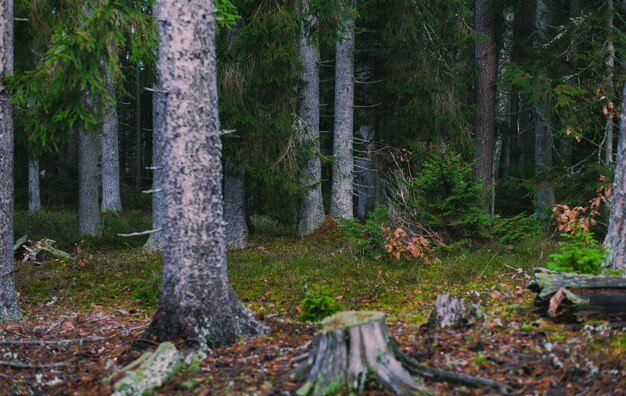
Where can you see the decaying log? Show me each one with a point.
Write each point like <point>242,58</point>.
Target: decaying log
<point>153,369</point>
<point>452,312</point>
<point>575,296</point>
<point>26,250</point>
<point>354,347</point>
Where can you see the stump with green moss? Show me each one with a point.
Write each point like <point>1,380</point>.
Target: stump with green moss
<point>352,348</point>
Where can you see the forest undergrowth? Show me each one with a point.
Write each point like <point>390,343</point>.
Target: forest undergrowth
<point>82,315</point>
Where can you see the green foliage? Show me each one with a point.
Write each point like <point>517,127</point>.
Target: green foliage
<point>447,196</point>
<point>579,253</point>
<point>318,303</point>
<point>513,229</point>
<point>367,237</point>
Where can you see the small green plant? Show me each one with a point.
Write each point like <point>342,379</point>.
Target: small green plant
<point>579,253</point>
<point>318,303</point>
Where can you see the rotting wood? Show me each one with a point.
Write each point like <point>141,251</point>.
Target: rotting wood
<point>575,296</point>
<point>355,346</point>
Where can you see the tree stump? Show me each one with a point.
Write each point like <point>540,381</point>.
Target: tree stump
<point>448,312</point>
<point>351,348</point>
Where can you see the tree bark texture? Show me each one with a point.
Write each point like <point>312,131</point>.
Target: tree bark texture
<point>155,241</point>
<point>610,87</point>
<point>615,240</point>
<point>88,183</point>
<point>343,166</point>
<point>311,208</point>
<point>111,196</point>
<point>235,206</point>
<point>485,53</point>
<point>8,296</point>
<point>197,302</point>
<point>544,195</point>
<point>34,192</point>
<point>350,348</point>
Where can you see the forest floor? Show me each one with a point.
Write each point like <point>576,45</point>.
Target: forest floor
<point>82,315</point>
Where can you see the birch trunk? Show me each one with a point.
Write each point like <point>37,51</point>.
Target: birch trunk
<point>235,206</point>
<point>34,194</point>
<point>8,296</point>
<point>485,53</point>
<point>610,87</point>
<point>88,186</point>
<point>615,240</point>
<point>197,302</point>
<point>544,195</point>
<point>341,192</point>
<point>111,197</point>
<point>311,208</point>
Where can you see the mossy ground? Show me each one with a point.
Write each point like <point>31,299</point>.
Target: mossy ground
<point>114,275</point>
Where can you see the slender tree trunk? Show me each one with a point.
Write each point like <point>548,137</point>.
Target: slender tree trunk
<point>197,302</point>
<point>610,87</point>
<point>235,206</point>
<point>8,296</point>
<point>88,183</point>
<point>138,131</point>
<point>615,241</point>
<point>503,97</point>
<point>155,241</point>
<point>111,197</point>
<point>365,174</point>
<point>485,53</point>
<point>34,195</point>
<point>311,208</point>
<point>341,192</point>
<point>544,196</point>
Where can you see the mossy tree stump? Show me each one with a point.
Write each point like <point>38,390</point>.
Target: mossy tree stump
<point>350,349</point>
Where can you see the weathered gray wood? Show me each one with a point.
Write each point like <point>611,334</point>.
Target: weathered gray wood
<point>350,348</point>
<point>34,195</point>
<point>615,240</point>
<point>8,297</point>
<point>448,312</point>
<point>235,206</point>
<point>197,302</point>
<point>27,250</point>
<point>575,296</point>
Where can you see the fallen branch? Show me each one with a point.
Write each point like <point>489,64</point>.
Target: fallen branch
<point>20,364</point>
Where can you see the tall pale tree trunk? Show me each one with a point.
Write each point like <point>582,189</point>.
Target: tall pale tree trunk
<point>485,53</point>
<point>544,140</point>
<point>88,182</point>
<point>615,240</point>
<point>609,85</point>
<point>111,197</point>
<point>155,241</point>
<point>197,302</point>
<point>34,194</point>
<point>235,205</point>
<point>310,208</point>
<point>343,166</point>
<point>8,296</point>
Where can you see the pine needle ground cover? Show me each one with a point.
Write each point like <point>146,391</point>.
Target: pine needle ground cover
<point>83,314</point>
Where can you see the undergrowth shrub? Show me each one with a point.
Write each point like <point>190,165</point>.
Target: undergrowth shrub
<point>513,229</point>
<point>579,253</point>
<point>318,303</point>
<point>367,237</point>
